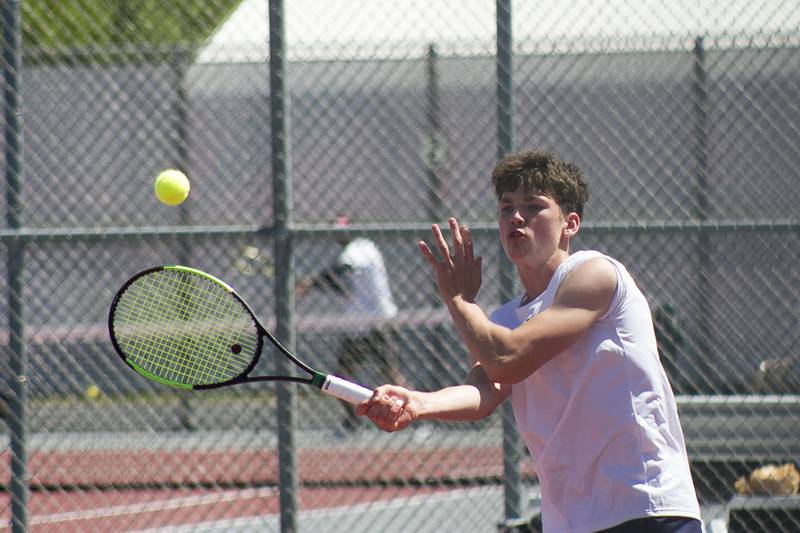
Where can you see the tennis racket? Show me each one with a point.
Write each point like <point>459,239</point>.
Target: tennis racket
<point>182,327</point>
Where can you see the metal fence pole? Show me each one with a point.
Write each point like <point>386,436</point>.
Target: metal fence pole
<point>700,160</point>
<point>433,150</point>
<point>180,140</point>
<point>433,155</point>
<point>284,259</point>
<point>17,423</point>
<point>512,477</point>
<point>180,136</point>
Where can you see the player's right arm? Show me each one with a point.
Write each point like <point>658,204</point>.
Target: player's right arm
<point>393,408</point>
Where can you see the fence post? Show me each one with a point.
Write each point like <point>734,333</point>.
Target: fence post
<point>284,259</point>
<point>17,419</point>
<point>179,62</point>
<point>434,148</point>
<point>512,477</point>
<point>700,162</point>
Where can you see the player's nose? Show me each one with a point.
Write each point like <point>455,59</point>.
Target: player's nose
<point>516,219</point>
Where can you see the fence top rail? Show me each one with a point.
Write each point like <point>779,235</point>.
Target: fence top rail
<point>10,236</point>
<point>738,400</point>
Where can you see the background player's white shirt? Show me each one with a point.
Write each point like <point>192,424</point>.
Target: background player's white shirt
<point>600,419</point>
<point>370,294</point>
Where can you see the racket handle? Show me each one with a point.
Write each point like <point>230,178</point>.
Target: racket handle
<point>345,390</point>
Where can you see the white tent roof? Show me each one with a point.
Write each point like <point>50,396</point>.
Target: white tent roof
<point>326,29</point>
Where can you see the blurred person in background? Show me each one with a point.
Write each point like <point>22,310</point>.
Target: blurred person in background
<point>576,353</point>
<point>359,277</point>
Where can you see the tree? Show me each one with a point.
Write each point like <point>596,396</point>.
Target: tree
<point>102,31</point>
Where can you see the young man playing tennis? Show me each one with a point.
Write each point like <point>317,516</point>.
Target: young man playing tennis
<point>576,353</point>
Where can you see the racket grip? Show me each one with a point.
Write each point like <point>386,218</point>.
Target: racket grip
<point>345,390</point>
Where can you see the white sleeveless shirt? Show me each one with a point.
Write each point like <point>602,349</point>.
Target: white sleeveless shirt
<point>600,419</point>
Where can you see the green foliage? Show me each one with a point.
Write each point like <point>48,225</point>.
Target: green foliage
<point>52,28</point>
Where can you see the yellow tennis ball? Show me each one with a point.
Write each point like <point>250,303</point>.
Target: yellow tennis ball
<point>172,187</point>
<point>92,392</point>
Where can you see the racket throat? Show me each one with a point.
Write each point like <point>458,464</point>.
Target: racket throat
<point>318,379</point>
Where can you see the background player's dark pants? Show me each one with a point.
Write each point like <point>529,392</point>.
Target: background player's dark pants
<point>374,347</point>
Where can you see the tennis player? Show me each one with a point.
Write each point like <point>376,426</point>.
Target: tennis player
<point>575,352</point>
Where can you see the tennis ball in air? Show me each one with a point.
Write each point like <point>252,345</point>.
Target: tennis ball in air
<point>92,392</point>
<point>172,187</point>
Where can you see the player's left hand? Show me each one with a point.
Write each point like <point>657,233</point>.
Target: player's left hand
<point>458,273</point>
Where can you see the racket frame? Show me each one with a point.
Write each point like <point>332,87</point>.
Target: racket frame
<point>329,384</point>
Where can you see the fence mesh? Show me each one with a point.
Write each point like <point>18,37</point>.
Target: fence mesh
<point>685,118</point>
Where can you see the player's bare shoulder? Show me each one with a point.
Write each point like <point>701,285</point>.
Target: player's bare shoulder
<point>590,286</point>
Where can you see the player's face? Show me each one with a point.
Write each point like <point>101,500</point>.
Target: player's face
<point>531,227</point>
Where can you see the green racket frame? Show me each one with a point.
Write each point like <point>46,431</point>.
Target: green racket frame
<point>169,303</point>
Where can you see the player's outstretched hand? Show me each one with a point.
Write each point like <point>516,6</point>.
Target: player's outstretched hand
<point>391,408</point>
<point>458,272</point>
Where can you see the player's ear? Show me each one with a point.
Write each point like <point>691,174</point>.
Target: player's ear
<point>572,223</point>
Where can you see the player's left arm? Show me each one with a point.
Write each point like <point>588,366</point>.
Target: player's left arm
<point>510,356</point>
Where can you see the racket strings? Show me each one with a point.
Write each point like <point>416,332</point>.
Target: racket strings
<point>184,328</point>
<point>195,366</point>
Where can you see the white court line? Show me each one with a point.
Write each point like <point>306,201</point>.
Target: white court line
<point>332,512</point>
<point>153,506</point>
<point>399,503</point>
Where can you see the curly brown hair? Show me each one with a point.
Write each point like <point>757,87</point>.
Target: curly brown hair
<point>542,172</point>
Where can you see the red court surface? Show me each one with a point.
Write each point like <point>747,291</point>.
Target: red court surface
<point>129,490</point>
<point>120,468</point>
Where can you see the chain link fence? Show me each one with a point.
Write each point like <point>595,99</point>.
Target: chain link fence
<point>685,118</point>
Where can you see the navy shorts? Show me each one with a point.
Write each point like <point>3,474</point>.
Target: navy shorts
<point>658,524</point>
